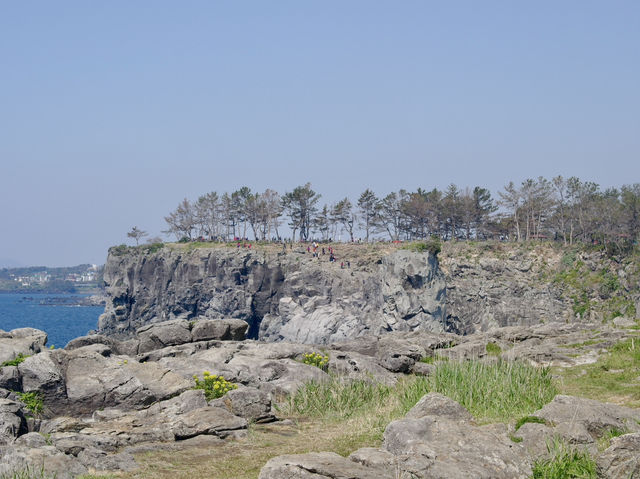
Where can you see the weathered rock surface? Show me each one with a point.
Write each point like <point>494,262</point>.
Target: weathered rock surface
<point>579,421</point>
<point>25,341</point>
<point>12,421</point>
<point>282,297</point>
<point>622,458</point>
<point>296,297</point>
<point>424,445</point>
<point>102,406</point>
<point>319,465</point>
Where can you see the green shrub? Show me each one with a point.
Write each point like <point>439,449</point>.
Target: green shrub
<point>609,284</point>
<point>565,462</point>
<point>153,247</point>
<point>433,246</point>
<point>33,401</point>
<point>569,258</point>
<point>15,361</point>
<point>214,386</point>
<point>119,250</point>
<point>493,349</point>
<point>316,359</point>
<point>581,304</point>
<point>498,391</point>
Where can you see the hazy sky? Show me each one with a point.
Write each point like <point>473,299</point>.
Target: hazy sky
<point>112,112</point>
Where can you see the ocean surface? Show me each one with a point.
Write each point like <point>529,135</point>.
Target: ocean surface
<point>61,322</point>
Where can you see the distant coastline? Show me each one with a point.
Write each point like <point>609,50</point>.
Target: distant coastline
<point>85,279</point>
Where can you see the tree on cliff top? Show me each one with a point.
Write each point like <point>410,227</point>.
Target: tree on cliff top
<point>182,221</point>
<point>136,234</point>
<point>301,207</point>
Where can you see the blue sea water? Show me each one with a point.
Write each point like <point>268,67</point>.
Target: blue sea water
<point>61,322</point>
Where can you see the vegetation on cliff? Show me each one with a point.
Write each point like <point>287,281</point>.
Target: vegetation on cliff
<point>562,209</point>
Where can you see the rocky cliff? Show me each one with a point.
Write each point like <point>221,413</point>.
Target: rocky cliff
<point>291,295</point>
<point>281,295</point>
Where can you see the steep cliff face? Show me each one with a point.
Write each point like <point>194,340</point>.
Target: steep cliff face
<point>293,296</point>
<point>290,296</point>
<point>492,285</point>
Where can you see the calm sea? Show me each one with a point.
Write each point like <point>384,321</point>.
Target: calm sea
<point>61,322</point>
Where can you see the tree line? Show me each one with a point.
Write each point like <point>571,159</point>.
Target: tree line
<point>563,209</point>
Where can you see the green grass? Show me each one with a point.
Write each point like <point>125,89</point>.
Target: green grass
<point>613,378</point>
<point>500,391</point>
<point>28,473</point>
<point>529,419</point>
<point>337,398</point>
<point>604,441</point>
<point>493,349</point>
<point>433,359</point>
<point>565,462</point>
<point>15,361</point>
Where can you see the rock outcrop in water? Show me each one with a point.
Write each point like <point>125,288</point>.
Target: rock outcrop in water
<point>292,296</point>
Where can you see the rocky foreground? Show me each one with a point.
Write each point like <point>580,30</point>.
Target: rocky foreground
<point>104,400</point>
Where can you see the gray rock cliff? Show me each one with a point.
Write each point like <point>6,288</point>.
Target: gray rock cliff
<point>289,296</point>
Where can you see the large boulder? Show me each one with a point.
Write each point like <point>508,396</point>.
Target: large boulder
<point>219,329</point>
<point>622,457</point>
<point>160,335</point>
<point>10,378</point>
<point>436,404</point>
<point>94,381</point>
<point>48,459</point>
<point>437,447</point>
<point>25,341</point>
<point>43,373</point>
<point>12,421</point>
<point>250,403</point>
<point>577,418</point>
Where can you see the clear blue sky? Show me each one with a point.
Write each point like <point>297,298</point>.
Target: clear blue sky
<point>112,112</point>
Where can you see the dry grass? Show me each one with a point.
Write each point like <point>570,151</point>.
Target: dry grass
<point>243,458</point>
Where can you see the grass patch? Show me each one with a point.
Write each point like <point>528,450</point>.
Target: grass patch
<point>336,398</point>
<point>338,415</point>
<point>565,462</point>
<point>495,392</point>
<point>493,349</point>
<point>605,440</point>
<point>28,473</point>
<point>433,359</point>
<point>613,378</point>
<point>529,419</point>
<point>15,361</point>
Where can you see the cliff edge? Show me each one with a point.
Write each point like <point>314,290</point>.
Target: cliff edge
<point>370,289</point>
<point>282,295</point>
